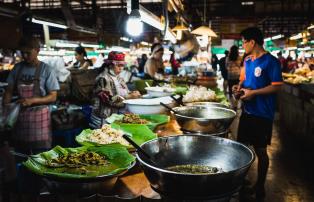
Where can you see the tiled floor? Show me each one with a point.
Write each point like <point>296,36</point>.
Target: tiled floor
<point>291,172</point>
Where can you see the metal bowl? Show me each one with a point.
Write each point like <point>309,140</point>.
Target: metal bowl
<point>85,186</point>
<point>204,119</point>
<point>223,134</point>
<point>232,157</point>
<point>159,91</point>
<point>211,104</point>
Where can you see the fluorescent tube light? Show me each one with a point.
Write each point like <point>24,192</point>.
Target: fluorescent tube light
<point>66,45</point>
<point>151,19</point>
<point>311,27</point>
<point>246,3</point>
<point>277,37</point>
<point>267,39</point>
<point>154,21</point>
<point>51,24</point>
<point>90,45</point>
<point>295,37</point>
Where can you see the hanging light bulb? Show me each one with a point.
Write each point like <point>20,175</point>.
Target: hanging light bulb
<point>179,29</point>
<point>134,25</point>
<point>204,30</point>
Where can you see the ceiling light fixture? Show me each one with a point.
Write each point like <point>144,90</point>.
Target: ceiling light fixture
<point>90,45</point>
<point>278,37</point>
<point>154,21</point>
<point>268,39</point>
<point>204,30</point>
<point>179,29</point>
<point>247,3</point>
<point>51,24</point>
<point>134,25</point>
<point>295,37</point>
<point>66,45</point>
<point>311,27</point>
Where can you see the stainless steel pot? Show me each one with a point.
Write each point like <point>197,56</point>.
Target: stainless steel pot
<point>85,186</point>
<point>232,157</point>
<point>204,119</point>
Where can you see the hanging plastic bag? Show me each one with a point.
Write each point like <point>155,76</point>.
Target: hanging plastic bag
<point>10,115</point>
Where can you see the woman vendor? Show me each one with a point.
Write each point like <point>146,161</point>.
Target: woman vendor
<point>81,59</point>
<point>154,66</point>
<point>36,86</point>
<point>110,90</point>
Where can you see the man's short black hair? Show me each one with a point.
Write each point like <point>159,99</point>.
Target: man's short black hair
<point>28,42</point>
<point>253,33</point>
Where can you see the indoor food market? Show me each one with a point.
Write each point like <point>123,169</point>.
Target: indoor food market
<point>156,100</point>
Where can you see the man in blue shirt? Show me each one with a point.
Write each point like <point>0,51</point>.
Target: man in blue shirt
<point>259,82</point>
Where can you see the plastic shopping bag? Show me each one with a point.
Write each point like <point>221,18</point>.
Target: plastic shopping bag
<point>10,115</point>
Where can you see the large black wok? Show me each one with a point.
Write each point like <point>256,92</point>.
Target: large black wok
<point>232,157</point>
<point>85,186</point>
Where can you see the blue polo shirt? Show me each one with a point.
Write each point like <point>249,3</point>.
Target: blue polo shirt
<point>259,73</point>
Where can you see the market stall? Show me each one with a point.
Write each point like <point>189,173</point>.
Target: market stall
<point>296,107</point>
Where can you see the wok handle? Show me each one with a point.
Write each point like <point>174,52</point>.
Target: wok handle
<point>127,138</point>
<point>178,101</point>
<point>167,107</point>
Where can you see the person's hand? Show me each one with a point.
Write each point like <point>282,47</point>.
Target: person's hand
<point>248,94</point>
<point>117,99</point>
<point>134,94</point>
<point>26,102</point>
<point>235,88</point>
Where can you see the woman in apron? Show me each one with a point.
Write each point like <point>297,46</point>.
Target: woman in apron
<point>110,90</point>
<point>36,86</point>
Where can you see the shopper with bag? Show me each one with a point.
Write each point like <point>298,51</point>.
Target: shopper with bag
<point>36,85</point>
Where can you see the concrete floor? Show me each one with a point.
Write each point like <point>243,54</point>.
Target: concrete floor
<point>290,176</point>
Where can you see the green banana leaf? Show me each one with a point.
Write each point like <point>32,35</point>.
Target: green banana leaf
<point>119,159</point>
<point>153,119</point>
<point>137,132</point>
<point>140,133</point>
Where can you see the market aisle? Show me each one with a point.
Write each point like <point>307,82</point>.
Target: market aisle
<point>290,177</point>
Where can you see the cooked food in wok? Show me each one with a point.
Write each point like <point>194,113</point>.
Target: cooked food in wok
<point>133,118</point>
<point>107,135</point>
<point>195,169</point>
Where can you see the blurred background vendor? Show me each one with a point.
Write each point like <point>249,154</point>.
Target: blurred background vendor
<point>36,86</point>
<point>81,59</point>
<point>110,90</point>
<point>154,66</point>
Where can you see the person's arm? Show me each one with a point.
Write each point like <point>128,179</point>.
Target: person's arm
<point>85,65</point>
<point>150,69</point>
<point>50,98</point>
<point>270,89</point>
